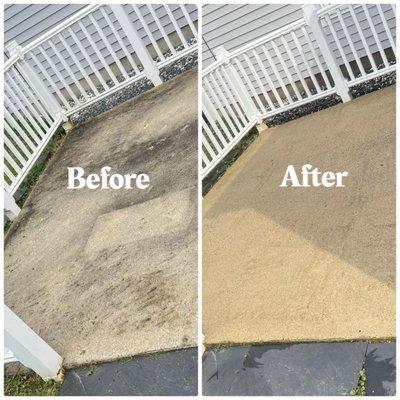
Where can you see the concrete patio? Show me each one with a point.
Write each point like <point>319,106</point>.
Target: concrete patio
<point>305,264</point>
<point>106,274</point>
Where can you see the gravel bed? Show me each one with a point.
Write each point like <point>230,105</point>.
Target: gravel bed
<point>320,104</point>
<point>177,67</point>
<point>300,111</point>
<point>374,84</point>
<point>111,101</point>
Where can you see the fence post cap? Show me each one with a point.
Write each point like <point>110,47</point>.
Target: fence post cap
<point>309,7</point>
<point>221,53</point>
<point>309,11</point>
<point>13,48</point>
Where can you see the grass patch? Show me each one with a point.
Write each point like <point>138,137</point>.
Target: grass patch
<point>228,160</point>
<point>30,181</point>
<point>362,380</point>
<point>30,385</point>
<point>34,174</point>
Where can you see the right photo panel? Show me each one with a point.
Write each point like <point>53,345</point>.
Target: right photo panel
<point>298,178</point>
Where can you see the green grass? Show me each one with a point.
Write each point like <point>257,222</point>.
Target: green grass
<point>31,385</point>
<point>228,160</point>
<point>33,175</point>
<point>30,181</point>
<point>362,380</point>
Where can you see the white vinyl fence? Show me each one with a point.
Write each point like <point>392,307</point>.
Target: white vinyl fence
<point>292,66</point>
<point>96,52</point>
<point>22,344</point>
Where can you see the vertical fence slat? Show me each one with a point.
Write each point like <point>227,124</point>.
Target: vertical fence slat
<point>98,53</point>
<point>49,80</point>
<point>26,108</point>
<point>295,66</point>
<point>316,58</point>
<point>32,100</point>
<point>23,119</point>
<point>31,97</point>
<point>208,106</point>
<point>78,64</point>
<point>207,129</point>
<point>289,77</point>
<point>349,40</point>
<point>88,59</point>
<point>120,41</point>
<point>176,26</point>
<point>69,71</point>
<point>277,75</point>
<point>13,164</point>
<point>253,91</point>
<point>28,144</point>
<point>374,33</point>
<point>58,74</point>
<point>386,27</point>
<point>265,75</point>
<point>232,92</point>
<point>161,28</point>
<point>109,48</point>
<point>189,20</point>
<point>148,33</point>
<point>305,62</point>
<point>220,106</point>
<point>10,126</point>
<point>227,103</point>
<point>149,66</point>
<point>340,48</point>
<point>362,37</point>
<point>19,154</point>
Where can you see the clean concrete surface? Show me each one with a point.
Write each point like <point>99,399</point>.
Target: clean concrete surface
<point>106,274</point>
<point>305,264</point>
<point>173,373</point>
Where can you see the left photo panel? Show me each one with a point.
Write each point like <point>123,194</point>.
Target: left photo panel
<point>100,199</point>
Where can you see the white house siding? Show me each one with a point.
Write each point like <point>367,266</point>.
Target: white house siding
<point>25,23</point>
<point>233,25</point>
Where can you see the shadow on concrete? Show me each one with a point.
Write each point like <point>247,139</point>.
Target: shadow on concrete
<point>355,223</point>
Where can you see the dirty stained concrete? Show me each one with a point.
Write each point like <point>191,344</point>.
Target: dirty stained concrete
<point>305,264</point>
<point>106,274</point>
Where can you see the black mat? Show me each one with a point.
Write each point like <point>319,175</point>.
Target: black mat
<point>168,374</point>
<point>298,369</point>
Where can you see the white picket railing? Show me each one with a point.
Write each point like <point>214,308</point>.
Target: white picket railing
<point>292,66</point>
<point>96,52</point>
<point>22,344</point>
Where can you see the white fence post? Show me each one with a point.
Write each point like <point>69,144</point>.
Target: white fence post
<point>34,81</point>
<point>244,97</point>
<point>311,17</point>
<point>11,208</point>
<point>149,65</point>
<point>29,348</point>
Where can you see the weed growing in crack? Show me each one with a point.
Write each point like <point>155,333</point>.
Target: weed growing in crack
<point>362,380</point>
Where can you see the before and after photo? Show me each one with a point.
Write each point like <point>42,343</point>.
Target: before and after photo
<point>199,199</point>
